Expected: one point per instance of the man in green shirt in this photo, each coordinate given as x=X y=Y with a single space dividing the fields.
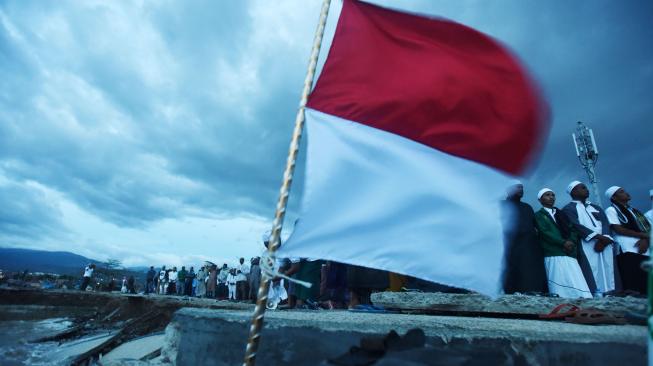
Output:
x=181 y=280
x=560 y=242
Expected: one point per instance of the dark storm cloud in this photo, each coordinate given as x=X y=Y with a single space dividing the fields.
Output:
x=134 y=145
x=26 y=214
x=594 y=64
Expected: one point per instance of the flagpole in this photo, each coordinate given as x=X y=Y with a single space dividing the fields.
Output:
x=262 y=297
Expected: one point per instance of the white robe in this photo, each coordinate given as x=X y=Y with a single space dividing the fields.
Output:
x=565 y=277
x=627 y=243
x=602 y=264
x=276 y=294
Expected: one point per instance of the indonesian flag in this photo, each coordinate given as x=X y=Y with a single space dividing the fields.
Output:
x=414 y=130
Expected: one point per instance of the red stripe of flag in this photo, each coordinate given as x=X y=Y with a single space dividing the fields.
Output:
x=434 y=81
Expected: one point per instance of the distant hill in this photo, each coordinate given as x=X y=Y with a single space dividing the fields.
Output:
x=16 y=259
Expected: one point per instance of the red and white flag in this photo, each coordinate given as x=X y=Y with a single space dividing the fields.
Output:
x=414 y=130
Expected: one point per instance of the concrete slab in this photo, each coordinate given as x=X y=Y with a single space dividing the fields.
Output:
x=514 y=304
x=217 y=337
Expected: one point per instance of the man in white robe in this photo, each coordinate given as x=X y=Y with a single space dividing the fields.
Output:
x=598 y=246
x=632 y=231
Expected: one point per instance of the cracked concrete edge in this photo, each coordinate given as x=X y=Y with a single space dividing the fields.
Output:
x=434 y=326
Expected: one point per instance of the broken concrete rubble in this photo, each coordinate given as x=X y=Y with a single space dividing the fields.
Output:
x=507 y=304
x=217 y=337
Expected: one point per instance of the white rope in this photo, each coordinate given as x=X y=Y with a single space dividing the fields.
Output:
x=270 y=270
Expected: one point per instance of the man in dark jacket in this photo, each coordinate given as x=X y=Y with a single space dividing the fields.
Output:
x=149 y=280
x=524 y=260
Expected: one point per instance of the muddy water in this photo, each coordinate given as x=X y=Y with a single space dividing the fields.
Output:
x=22 y=324
x=15 y=337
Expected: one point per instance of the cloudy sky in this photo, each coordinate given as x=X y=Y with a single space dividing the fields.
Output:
x=156 y=132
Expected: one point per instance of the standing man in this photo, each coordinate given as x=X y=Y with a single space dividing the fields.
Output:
x=597 y=244
x=181 y=280
x=172 y=281
x=221 y=291
x=201 y=281
x=163 y=274
x=149 y=280
x=242 y=272
x=560 y=242
x=633 y=232
x=188 y=287
x=524 y=258
x=254 y=279
x=88 y=273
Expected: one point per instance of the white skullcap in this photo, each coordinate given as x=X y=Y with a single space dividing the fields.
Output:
x=542 y=192
x=610 y=192
x=572 y=185
x=511 y=186
x=514 y=182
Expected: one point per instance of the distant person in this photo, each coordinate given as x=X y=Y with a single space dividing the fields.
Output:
x=149 y=280
x=362 y=282
x=202 y=274
x=88 y=273
x=596 y=243
x=560 y=241
x=632 y=231
x=524 y=257
x=131 y=285
x=211 y=281
x=649 y=213
x=222 y=292
x=123 y=288
x=172 y=281
x=242 y=272
x=232 y=280
x=181 y=280
x=336 y=285
x=163 y=275
x=188 y=283
x=254 y=279
x=310 y=271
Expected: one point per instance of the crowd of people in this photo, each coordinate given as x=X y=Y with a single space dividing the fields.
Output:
x=579 y=251
x=238 y=283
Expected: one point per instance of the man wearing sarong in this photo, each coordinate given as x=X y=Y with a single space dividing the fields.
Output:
x=596 y=243
x=242 y=273
x=254 y=279
x=201 y=281
x=221 y=290
x=560 y=242
x=632 y=231
x=524 y=259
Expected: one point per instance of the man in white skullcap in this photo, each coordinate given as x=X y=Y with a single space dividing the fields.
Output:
x=632 y=231
x=559 y=240
x=597 y=244
x=523 y=257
